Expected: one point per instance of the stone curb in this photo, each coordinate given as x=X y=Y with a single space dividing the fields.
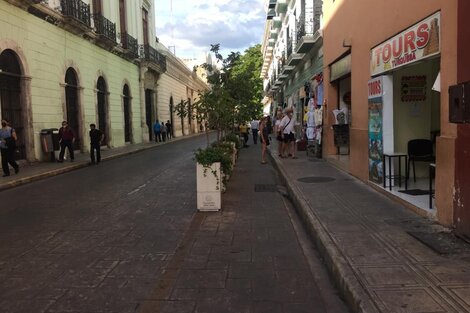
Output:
x=345 y=279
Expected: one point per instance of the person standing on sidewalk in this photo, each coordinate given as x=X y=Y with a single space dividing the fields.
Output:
x=157 y=130
x=169 y=133
x=66 y=139
x=96 y=138
x=7 y=148
x=264 y=138
x=288 y=133
x=254 y=130
x=163 y=130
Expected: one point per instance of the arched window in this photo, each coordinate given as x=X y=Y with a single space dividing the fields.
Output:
x=72 y=105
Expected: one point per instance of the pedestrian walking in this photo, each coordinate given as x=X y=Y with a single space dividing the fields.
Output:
x=96 y=138
x=264 y=138
x=169 y=131
x=66 y=140
x=8 y=140
x=244 y=132
x=254 y=130
x=163 y=130
x=157 y=130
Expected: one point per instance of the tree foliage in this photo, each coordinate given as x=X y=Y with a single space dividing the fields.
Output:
x=236 y=89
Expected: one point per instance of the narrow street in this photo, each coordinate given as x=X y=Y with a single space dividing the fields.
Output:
x=125 y=236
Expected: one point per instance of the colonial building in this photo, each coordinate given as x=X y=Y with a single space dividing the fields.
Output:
x=292 y=52
x=391 y=72
x=179 y=84
x=394 y=89
x=88 y=61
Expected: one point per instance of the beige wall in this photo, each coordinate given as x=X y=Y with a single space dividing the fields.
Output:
x=363 y=32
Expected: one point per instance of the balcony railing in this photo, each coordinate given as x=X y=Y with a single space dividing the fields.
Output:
x=104 y=27
x=76 y=9
x=308 y=24
x=290 y=46
x=149 y=53
x=130 y=44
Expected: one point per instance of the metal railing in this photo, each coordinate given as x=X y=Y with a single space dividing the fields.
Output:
x=130 y=43
x=290 y=46
x=104 y=27
x=308 y=24
x=149 y=53
x=76 y=9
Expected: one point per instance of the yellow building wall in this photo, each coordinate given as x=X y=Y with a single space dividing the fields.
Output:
x=46 y=52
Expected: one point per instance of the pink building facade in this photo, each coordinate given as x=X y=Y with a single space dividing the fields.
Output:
x=388 y=66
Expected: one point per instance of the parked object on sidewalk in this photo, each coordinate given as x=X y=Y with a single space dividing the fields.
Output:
x=214 y=167
x=50 y=142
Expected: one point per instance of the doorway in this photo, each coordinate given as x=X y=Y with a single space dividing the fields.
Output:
x=102 y=111
x=171 y=118
x=10 y=97
x=148 y=111
x=127 y=113
x=72 y=106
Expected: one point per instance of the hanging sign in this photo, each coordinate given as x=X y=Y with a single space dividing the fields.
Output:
x=418 y=42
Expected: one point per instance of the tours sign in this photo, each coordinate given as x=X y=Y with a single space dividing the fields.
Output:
x=418 y=42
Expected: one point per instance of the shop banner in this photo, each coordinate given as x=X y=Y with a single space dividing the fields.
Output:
x=380 y=91
x=375 y=131
x=418 y=42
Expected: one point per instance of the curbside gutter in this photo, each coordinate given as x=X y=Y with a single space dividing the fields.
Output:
x=344 y=277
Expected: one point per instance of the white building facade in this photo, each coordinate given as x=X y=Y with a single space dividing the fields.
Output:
x=292 y=53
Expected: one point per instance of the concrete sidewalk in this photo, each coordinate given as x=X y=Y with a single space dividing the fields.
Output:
x=383 y=257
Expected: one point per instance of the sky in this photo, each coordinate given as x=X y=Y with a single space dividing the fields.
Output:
x=196 y=24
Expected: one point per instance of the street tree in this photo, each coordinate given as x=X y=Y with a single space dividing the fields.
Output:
x=236 y=90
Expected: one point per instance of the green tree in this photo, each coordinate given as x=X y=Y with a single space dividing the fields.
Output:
x=236 y=90
x=181 y=110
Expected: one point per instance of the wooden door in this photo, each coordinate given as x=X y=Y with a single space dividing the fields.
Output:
x=127 y=114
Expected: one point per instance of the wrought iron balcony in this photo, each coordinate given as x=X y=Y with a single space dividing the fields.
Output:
x=77 y=10
x=149 y=53
x=307 y=28
x=104 y=27
x=130 y=44
x=293 y=58
x=290 y=44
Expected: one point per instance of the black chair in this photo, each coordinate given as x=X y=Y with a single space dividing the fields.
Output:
x=419 y=150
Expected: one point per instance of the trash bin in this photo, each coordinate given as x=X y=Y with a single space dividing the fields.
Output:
x=50 y=141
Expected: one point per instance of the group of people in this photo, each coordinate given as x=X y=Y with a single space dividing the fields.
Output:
x=66 y=137
x=162 y=131
x=67 y=140
x=284 y=130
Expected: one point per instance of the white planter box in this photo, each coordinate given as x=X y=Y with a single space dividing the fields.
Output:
x=209 y=187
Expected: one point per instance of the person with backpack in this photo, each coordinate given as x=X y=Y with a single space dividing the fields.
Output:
x=8 y=147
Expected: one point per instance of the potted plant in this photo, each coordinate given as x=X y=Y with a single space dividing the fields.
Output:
x=212 y=164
